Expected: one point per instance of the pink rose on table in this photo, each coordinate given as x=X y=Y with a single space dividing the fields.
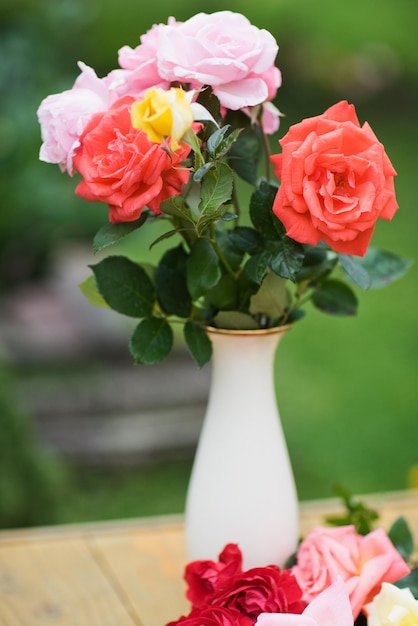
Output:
x=213 y=616
x=223 y=50
x=122 y=168
x=251 y=592
x=336 y=181
x=63 y=117
x=363 y=563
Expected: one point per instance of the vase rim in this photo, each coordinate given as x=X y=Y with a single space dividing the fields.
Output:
x=248 y=332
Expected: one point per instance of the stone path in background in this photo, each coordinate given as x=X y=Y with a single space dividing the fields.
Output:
x=76 y=379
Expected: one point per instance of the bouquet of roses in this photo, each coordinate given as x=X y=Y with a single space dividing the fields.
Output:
x=170 y=135
x=341 y=574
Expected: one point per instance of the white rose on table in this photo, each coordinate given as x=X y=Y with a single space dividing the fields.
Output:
x=393 y=607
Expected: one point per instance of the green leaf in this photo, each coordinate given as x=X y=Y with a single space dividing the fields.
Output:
x=336 y=298
x=355 y=271
x=89 y=288
x=125 y=286
x=176 y=207
x=245 y=153
x=198 y=343
x=246 y=240
x=288 y=258
x=257 y=266
x=235 y=320
x=216 y=188
x=203 y=269
x=221 y=141
x=409 y=582
x=272 y=298
x=202 y=171
x=261 y=213
x=316 y=264
x=401 y=537
x=230 y=252
x=170 y=283
x=151 y=341
x=224 y=294
x=207 y=99
x=359 y=514
x=383 y=267
x=110 y=234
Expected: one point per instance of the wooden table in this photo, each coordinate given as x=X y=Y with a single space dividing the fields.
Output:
x=122 y=573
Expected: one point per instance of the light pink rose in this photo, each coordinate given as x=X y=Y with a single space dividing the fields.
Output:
x=363 y=562
x=64 y=116
x=223 y=50
x=139 y=65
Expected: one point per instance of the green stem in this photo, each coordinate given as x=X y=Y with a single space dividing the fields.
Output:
x=267 y=152
x=220 y=254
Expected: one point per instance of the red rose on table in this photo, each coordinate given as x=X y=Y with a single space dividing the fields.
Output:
x=205 y=578
x=122 y=168
x=336 y=181
x=257 y=590
x=213 y=616
x=263 y=590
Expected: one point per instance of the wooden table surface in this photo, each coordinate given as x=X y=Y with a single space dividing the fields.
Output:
x=123 y=573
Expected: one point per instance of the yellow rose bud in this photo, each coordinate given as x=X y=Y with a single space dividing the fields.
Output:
x=163 y=114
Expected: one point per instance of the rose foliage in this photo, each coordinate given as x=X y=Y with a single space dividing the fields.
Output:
x=177 y=133
x=338 y=577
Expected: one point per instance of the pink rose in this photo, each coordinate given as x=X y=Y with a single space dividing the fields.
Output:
x=64 y=116
x=336 y=181
x=139 y=65
x=122 y=168
x=222 y=50
x=363 y=563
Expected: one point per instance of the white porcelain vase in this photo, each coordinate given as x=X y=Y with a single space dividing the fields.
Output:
x=242 y=488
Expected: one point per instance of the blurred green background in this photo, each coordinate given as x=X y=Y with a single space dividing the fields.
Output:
x=347 y=389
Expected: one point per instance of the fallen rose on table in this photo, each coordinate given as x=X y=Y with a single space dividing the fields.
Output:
x=338 y=577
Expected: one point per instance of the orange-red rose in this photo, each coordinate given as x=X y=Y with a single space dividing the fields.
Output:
x=336 y=181
x=122 y=168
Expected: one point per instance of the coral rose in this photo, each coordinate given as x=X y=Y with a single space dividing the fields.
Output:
x=121 y=167
x=363 y=563
x=223 y=50
x=336 y=181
